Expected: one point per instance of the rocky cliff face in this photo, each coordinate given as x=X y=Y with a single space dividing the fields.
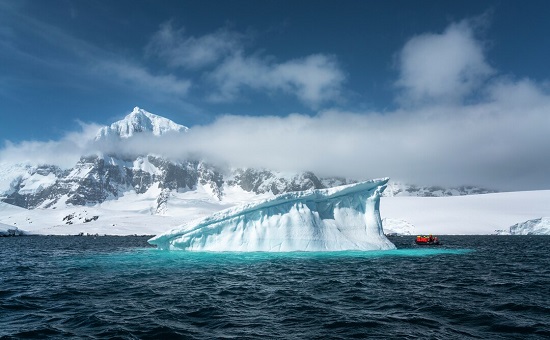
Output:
x=96 y=179
x=263 y=181
x=402 y=189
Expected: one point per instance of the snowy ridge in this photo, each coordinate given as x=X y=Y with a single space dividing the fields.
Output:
x=9 y=172
x=139 y=121
x=262 y=181
x=342 y=218
x=403 y=189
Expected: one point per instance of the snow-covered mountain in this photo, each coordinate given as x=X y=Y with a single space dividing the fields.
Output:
x=96 y=179
x=99 y=178
x=139 y=121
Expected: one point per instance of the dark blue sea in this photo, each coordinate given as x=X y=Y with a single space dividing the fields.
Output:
x=472 y=287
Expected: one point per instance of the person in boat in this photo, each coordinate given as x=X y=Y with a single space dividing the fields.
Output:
x=431 y=238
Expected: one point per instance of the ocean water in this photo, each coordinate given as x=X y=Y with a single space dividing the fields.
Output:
x=485 y=287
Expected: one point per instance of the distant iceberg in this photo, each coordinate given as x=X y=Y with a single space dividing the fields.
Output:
x=539 y=226
x=7 y=230
x=341 y=218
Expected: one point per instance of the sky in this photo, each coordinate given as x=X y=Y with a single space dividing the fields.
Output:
x=428 y=92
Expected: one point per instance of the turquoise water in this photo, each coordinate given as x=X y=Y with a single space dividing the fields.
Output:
x=119 y=287
x=148 y=254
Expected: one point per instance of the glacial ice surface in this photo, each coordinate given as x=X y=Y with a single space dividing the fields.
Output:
x=341 y=218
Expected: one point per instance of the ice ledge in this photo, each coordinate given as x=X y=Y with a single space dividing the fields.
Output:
x=341 y=218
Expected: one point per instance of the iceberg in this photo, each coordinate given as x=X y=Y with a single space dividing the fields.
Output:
x=538 y=226
x=7 y=230
x=334 y=219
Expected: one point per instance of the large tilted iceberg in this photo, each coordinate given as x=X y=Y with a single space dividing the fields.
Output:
x=341 y=218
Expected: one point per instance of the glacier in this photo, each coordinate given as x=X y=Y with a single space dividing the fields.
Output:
x=334 y=219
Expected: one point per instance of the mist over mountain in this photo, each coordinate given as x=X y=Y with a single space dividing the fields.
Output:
x=120 y=168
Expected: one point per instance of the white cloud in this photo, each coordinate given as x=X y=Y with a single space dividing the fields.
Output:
x=64 y=152
x=486 y=144
x=315 y=79
x=192 y=52
x=139 y=78
x=443 y=67
x=517 y=94
x=229 y=70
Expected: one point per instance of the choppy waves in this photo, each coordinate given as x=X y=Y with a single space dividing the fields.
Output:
x=115 y=287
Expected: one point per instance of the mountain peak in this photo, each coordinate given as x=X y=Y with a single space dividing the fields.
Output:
x=139 y=121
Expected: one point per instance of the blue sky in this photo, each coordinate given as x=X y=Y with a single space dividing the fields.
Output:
x=67 y=65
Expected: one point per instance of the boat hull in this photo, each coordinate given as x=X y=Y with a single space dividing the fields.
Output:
x=428 y=243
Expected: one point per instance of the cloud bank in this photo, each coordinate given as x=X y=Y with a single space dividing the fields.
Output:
x=132 y=74
x=315 y=79
x=64 y=152
x=443 y=67
x=229 y=70
x=180 y=50
x=440 y=135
